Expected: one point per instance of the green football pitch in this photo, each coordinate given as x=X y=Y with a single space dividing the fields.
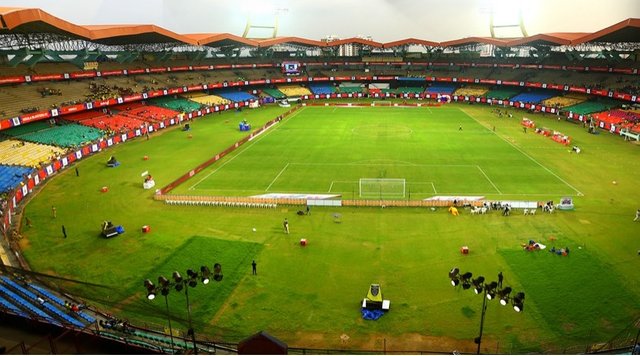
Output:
x=310 y=296
x=436 y=151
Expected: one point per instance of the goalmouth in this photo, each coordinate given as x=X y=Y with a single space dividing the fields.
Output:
x=382 y=188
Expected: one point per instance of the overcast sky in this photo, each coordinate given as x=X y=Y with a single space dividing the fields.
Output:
x=383 y=20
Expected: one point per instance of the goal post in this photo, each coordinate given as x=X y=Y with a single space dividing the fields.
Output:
x=382 y=188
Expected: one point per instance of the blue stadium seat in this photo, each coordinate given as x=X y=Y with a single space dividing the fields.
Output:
x=32 y=308
x=10 y=306
x=235 y=95
x=322 y=88
x=10 y=176
x=441 y=89
x=533 y=97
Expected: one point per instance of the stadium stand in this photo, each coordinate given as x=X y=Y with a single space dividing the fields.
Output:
x=176 y=104
x=26 y=129
x=274 y=93
x=114 y=123
x=210 y=100
x=293 y=90
x=589 y=107
x=565 y=100
x=441 y=89
x=54 y=298
x=148 y=113
x=10 y=176
x=322 y=88
x=69 y=135
x=409 y=90
x=14 y=152
x=502 y=93
x=471 y=90
x=12 y=308
x=533 y=96
x=14 y=297
x=235 y=95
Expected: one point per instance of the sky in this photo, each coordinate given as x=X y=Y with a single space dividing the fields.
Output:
x=383 y=20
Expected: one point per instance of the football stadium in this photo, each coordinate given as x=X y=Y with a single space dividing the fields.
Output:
x=177 y=192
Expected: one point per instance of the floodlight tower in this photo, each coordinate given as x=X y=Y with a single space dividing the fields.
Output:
x=506 y=15
x=249 y=26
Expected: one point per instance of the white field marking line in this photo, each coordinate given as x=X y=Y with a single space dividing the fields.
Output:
x=276 y=178
x=340 y=181
x=381 y=164
x=245 y=148
x=526 y=155
x=489 y=179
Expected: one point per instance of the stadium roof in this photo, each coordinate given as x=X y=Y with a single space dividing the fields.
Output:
x=32 y=21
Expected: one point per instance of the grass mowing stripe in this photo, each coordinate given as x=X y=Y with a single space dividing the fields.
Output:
x=526 y=155
x=246 y=148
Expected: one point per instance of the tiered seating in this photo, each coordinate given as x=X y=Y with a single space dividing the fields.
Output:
x=235 y=95
x=275 y=93
x=10 y=176
x=33 y=298
x=409 y=90
x=64 y=136
x=210 y=100
x=176 y=104
x=532 y=97
x=441 y=89
x=115 y=123
x=14 y=309
x=471 y=90
x=14 y=297
x=589 y=107
x=502 y=93
x=322 y=88
x=13 y=152
x=566 y=100
x=294 y=90
x=149 y=113
x=26 y=129
x=84 y=115
x=54 y=298
x=350 y=89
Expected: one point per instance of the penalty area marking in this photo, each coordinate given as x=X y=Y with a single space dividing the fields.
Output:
x=278 y=176
x=245 y=148
x=527 y=155
x=490 y=181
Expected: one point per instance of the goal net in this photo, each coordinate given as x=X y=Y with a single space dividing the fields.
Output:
x=382 y=188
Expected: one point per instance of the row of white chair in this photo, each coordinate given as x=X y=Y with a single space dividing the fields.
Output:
x=222 y=203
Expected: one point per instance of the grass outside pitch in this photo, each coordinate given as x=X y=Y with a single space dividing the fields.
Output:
x=310 y=296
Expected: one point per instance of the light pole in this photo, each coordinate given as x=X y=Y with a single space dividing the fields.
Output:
x=180 y=283
x=489 y=291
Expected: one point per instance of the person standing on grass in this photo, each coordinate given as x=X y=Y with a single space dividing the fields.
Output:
x=64 y=232
x=54 y=213
x=637 y=215
x=253 y=267
x=500 y=277
x=285 y=224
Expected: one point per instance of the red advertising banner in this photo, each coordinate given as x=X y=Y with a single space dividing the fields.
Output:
x=40 y=115
x=5 y=124
x=38 y=78
x=130 y=98
x=200 y=67
x=107 y=73
x=533 y=85
x=101 y=103
x=222 y=66
x=153 y=94
x=71 y=109
x=11 y=80
x=194 y=88
x=488 y=81
x=254 y=82
x=179 y=69
x=157 y=70
x=136 y=71
x=175 y=91
x=83 y=74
